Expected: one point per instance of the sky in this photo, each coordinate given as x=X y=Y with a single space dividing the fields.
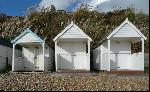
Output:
x=19 y=7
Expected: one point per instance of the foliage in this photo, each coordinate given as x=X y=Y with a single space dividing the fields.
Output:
x=146 y=70
x=8 y=68
x=47 y=23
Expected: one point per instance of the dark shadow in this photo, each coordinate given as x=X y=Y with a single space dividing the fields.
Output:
x=93 y=57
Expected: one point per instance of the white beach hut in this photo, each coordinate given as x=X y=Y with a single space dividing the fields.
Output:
x=72 y=49
x=114 y=53
x=36 y=54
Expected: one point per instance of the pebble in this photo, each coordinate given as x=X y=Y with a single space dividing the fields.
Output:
x=44 y=82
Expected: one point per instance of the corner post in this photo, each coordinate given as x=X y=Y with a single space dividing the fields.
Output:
x=13 y=58
x=108 y=54
x=101 y=53
x=43 y=45
x=142 y=52
x=56 y=55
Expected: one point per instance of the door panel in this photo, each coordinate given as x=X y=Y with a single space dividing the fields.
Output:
x=78 y=61
x=66 y=61
x=72 y=55
x=28 y=59
x=120 y=54
x=36 y=58
x=123 y=61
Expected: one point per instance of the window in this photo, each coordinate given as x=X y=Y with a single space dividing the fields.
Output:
x=136 y=47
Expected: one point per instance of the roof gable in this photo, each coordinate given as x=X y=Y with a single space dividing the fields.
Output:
x=127 y=29
x=27 y=36
x=72 y=31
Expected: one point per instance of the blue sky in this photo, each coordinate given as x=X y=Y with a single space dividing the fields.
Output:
x=19 y=7
x=16 y=7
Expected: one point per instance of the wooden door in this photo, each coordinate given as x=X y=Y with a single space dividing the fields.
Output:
x=123 y=60
x=66 y=61
x=78 y=61
x=36 y=58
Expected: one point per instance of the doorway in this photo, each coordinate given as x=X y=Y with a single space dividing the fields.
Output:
x=36 y=58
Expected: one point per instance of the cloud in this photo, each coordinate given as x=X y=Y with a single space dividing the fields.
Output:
x=64 y=4
x=59 y=4
x=139 y=5
x=99 y=5
x=95 y=3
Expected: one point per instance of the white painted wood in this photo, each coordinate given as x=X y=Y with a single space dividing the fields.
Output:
x=28 y=38
x=71 y=49
x=123 y=61
x=77 y=63
x=28 y=55
x=120 y=46
x=126 y=31
x=3 y=51
x=2 y=62
x=108 y=55
x=113 y=61
x=121 y=56
x=6 y=54
x=120 y=49
x=56 y=56
x=142 y=61
x=104 y=62
x=66 y=61
x=43 y=46
x=136 y=62
x=100 y=60
x=36 y=58
x=72 y=55
x=128 y=26
x=19 y=60
x=34 y=55
x=13 y=57
x=72 y=31
x=116 y=53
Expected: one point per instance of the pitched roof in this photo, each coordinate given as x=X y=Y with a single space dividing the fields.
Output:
x=24 y=33
x=118 y=28
x=67 y=28
x=129 y=23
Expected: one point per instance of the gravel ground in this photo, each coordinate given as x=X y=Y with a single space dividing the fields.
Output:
x=71 y=82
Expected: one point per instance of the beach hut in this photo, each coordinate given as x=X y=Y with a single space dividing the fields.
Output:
x=36 y=54
x=72 y=49
x=117 y=53
x=6 y=53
